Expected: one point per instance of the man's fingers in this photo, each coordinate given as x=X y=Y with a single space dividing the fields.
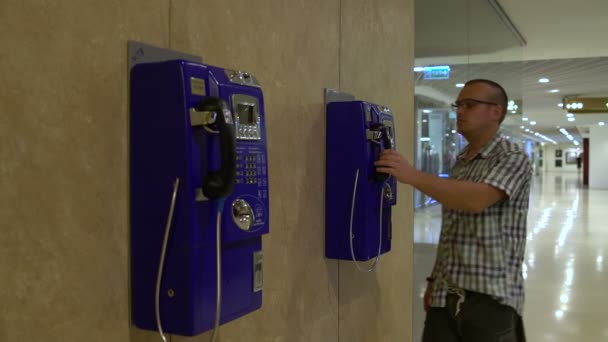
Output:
x=393 y=157
x=385 y=163
x=384 y=170
x=390 y=152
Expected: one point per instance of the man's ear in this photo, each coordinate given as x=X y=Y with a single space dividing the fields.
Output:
x=497 y=112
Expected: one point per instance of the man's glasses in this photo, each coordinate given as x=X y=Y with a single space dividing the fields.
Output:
x=470 y=103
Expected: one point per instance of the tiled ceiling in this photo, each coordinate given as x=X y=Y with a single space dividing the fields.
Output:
x=445 y=38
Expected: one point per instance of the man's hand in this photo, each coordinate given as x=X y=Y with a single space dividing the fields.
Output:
x=427 y=296
x=396 y=165
x=472 y=197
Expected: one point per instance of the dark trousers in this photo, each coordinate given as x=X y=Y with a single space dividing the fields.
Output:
x=480 y=319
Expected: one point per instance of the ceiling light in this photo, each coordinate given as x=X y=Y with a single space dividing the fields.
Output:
x=524 y=119
x=522 y=127
x=569 y=115
x=459 y=85
x=543 y=80
x=601 y=123
x=426 y=111
x=532 y=123
x=571 y=119
x=453 y=131
x=576 y=143
x=418 y=69
x=425 y=139
x=527 y=130
x=554 y=91
x=561 y=105
x=513 y=111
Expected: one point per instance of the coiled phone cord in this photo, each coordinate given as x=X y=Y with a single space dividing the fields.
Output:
x=159 y=275
x=352 y=212
x=218 y=241
x=162 y=262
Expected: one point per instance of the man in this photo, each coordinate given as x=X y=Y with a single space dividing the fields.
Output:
x=475 y=292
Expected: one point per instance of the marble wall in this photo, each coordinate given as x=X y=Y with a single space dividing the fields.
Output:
x=64 y=250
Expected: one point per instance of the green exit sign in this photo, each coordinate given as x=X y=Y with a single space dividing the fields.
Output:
x=437 y=73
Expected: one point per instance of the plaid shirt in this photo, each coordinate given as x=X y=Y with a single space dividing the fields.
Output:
x=484 y=252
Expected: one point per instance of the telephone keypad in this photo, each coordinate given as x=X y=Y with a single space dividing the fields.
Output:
x=249 y=167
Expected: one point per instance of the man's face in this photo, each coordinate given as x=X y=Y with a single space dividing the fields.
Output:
x=476 y=110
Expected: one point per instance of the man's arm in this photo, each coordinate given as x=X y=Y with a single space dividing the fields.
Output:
x=455 y=194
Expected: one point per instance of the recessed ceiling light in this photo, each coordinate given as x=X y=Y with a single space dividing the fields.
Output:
x=543 y=80
x=554 y=91
x=524 y=119
x=522 y=127
x=571 y=119
x=453 y=131
x=459 y=85
x=513 y=111
x=560 y=105
x=569 y=115
x=601 y=123
x=426 y=111
x=532 y=123
x=418 y=69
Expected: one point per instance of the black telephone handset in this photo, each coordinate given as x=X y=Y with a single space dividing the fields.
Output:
x=220 y=183
x=386 y=142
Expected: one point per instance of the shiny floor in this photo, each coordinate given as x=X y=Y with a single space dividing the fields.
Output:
x=566 y=259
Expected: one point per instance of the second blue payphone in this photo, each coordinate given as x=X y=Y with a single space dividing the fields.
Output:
x=358 y=199
x=199 y=195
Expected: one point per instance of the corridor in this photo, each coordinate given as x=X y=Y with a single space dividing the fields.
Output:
x=564 y=267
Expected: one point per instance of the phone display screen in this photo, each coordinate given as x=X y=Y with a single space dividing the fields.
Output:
x=246 y=114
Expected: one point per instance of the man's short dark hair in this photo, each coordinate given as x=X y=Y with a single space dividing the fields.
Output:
x=500 y=96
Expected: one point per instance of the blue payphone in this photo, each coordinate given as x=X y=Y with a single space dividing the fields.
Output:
x=358 y=199
x=197 y=145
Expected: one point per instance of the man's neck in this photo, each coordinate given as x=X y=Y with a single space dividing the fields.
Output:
x=477 y=142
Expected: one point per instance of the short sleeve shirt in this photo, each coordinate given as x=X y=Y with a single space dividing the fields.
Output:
x=484 y=252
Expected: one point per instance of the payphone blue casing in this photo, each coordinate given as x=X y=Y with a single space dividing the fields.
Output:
x=164 y=145
x=348 y=148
